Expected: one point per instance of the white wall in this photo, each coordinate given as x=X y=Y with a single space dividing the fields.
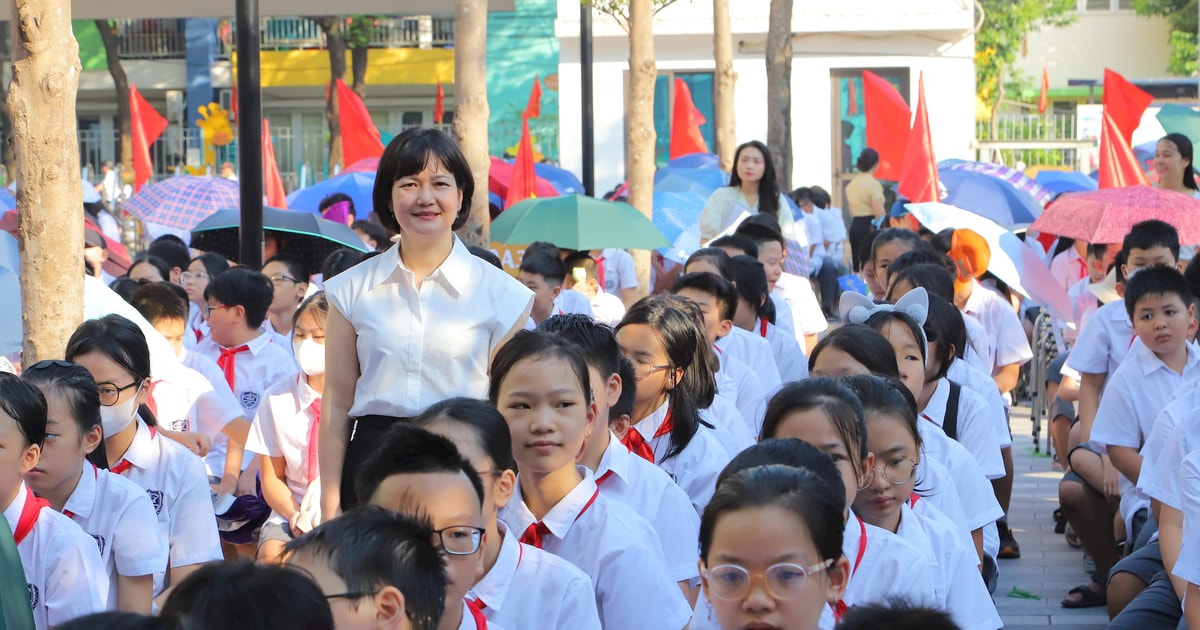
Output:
x=1137 y=47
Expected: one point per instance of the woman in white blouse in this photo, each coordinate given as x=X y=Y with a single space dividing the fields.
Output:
x=753 y=187
x=416 y=324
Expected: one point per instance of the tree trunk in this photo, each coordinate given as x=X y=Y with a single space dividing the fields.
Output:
x=471 y=110
x=112 y=52
x=779 y=90
x=358 y=69
x=41 y=101
x=336 y=44
x=639 y=122
x=725 y=124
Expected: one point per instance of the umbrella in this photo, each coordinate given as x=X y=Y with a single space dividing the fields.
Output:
x=7 y=200
x=1012 y=176
x=358 y=184
x=564 y=181
x=500 y=175
x=10 y=292
x=1012 y=261
x=988 y=197
x=577 y=222
x=1107 y=215
x=365 y=165
x=700 y=180
x=674 y=212
x=183 y=201
x=1179 y=119
x=304 y=234
x=1059 y=182
x=118 y=257
x=695 y=160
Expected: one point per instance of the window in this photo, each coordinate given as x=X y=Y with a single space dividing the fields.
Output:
x=700 y=84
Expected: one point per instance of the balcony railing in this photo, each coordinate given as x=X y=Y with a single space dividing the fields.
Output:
x=151 y=39
x=297 y=33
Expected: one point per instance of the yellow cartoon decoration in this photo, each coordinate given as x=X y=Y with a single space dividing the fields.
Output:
x=215 y=129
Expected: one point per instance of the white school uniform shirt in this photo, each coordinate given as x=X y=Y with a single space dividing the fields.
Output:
x=283 y=339
x=475 y=619
x=806 y=310
x=888 y=566
x=532 y=588
x=975 y=426
x=614 y=546
x=174 y=479
x=755 y=352
x=184 y=400
x=571 y=301
x=784 y=317
x=696 y=467
x=1104 y=342
x=264 y=364
x=980 y=349
x=650 y=492
x=1165 y=449
x=787 y=350
x=1184 y=438
x=206 y=367
x=971 y=377
x=119 y=517
x=1187 y=566
x=937 y=489
x=281 y=430
x=958 y=585
x=197 y=329
x=816 y=239
x=607 y=309
x=1068 y=268
x=737 y=381
x=1002 y=324
x=63 y=571
x=418 y=346
x=619 y=272
x=974 y=490
x=731 y=429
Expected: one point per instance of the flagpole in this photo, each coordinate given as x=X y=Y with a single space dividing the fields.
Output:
x=249 y=121
x=585 y=64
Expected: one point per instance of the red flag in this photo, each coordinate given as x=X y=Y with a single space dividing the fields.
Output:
x=1118 y=165
x=685 y=123
x=233 y=104
x=534 y=108
x=919 y=178
x=887 y=124
x=272 y=182
x=1044 y=97
x=524 y=180
x=439 y=105
x=147 y=125
x=1125 y=102
x=360 y=137
x=852 y=97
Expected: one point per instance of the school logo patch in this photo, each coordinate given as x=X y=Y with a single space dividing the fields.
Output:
x=179 y=425
x=99 y=542
x=35 y=597
x=249 y=400
x=156 y=497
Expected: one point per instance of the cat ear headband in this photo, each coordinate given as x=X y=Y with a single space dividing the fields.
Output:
x=856 y=308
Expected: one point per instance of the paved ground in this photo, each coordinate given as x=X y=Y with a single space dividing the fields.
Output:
x=1048 y=567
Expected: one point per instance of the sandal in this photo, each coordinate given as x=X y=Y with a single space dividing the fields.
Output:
x=1060 y=522
x=1088 y=598
x=1072 y=537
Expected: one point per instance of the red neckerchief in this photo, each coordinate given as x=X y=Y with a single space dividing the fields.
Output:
x=762 y=327
x=840 y=608
x=534 y=535
x=638 y=445
x=96 y=474
x=912 y=499
x=310 y=466
x=227 y=363
x=125 y=464
x=476 y=609
x=600 y=270
x=29 y=515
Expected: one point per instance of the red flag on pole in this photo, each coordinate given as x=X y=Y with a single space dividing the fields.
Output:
x=887 y=124
x=685 y=123
x=439 y=105
x=148 y=125
x=534 y=108
x=919 y=177
x=1125 y=102
x=1118 y=165
x=1044 y=97
x=360 y=136
x=272 y=181
x=524 y=179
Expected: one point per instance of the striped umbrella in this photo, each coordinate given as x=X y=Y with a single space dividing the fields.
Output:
x=1012 y=176
x=183 y=201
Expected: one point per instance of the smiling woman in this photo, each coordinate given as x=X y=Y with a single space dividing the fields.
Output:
x=416 y=324
x=752 y=188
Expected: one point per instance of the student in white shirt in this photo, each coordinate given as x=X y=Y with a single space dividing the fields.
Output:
x=543 y=273
x=793 y=295
x=290 y=278
x=114 y=350
x=541 y=386
x=1069 y=265
x=72 y=474
x=63 y=571
x=521 y=586
x=662 y=337
x=617 y=274
x=582 y=277
x=1188 y=566
x=753 y=315
x=200 y=271
x=377 y=569
x=396 y=345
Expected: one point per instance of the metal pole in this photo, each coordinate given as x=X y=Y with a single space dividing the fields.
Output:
x=250 y=170
x=589 y=118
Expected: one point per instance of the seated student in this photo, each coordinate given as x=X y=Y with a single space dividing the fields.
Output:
x=247 y=595
x=582 y=276
x=674 y=382
x=567 y=300
x=72 y=474
x=1100 y=257
x=290 y=277
x=1187 y=568
x=284 y=435
x=825 y=262
x=617 y=275
x=200 y=271
x=65 y=576
x=377 y=569
x=792 y=295
x=540 y=384
x=1069 y=265
x=753 y=315
x=173 y=251
x=412 y=471
x=621 y=476
x=521 y=586
x=542 y=273
x=897 y=614
x=888 y=245
x=114 y=351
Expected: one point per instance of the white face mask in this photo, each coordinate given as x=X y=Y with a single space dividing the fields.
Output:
x=311 y=357
x=117 y=418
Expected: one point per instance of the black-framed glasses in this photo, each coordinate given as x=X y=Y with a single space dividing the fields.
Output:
x=783 y=581
x=897 y=471
x=280 y=279
x=460 y=540
x=109 y=392
x=209 y=309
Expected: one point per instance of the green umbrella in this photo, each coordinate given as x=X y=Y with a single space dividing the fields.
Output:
x=15 y=613
x=577 y=222
x=1179 y=119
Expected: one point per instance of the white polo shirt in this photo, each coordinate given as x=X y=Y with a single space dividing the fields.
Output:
x=616 y=548
x=118 y=515
x=1188 y=564
x=174 y=479
x=420 y=345
x=696 y=467
x=888 y=566
x=976 y=429
x=971 y=377
x=975 y=492
x=650 y=492
x=1160 y=459
x=980 y=349
x=755 y=353
x=737 y=381
x=1104 y=342
x=731 y=429
x=264 y=364
x=184 y=400
x=62 y=567
x=572 y=301
x=281 y=429
x=1164 y=482
x=806 y=310
x=619 y=272
x=787 y=350
x=1002 y=324
x=532 y=588
x=958 y=585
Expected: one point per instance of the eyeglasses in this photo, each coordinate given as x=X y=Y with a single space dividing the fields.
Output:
x=209 y=309
x=900 y=470
x=109 y=392
x=279 y=279
x=643 y=368
x=461 y=540
x=41 y=365
x=783 y=581
x=193 y=275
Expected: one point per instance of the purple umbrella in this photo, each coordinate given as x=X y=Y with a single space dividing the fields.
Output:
x=1011 y=176
x=183 y=201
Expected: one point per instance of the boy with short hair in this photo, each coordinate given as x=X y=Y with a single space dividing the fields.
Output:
x=290 y=277
x=796 y=306
x=583 y=276
x=377 y=568
x=544 y=275
x=567 y=300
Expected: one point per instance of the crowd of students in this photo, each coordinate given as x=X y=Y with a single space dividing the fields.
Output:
x=419 y=440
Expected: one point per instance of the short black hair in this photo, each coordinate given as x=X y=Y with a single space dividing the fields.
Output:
x=760 y=234
x=718 y=257
x=340 y=260
x=410 y=153
x=922 y=256
x=549 y=267
x=374 y=231
x=820 y=197
x=126 y=287
x=159 y=264
x=945 y=327
x=296 y=267
x=711 y=284
x=172 y=251
x=409 y=450
x=370 y=547
x=485 y=254
x=243 y=287
x=864 y=344
x=333 y=198
x=26 y=405
x=934 y=278
x=750 y=281
x=246 y=594
x=1156 y=280
x=160 y=300
x=624 y=406
x=1150 y=234
x=484 y=420
x=801 y=195
x=897 y=614
x=115 y=620
x=596 y=341
x=736 y=241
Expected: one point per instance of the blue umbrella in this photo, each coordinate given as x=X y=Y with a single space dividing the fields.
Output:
x=10 y=288
x=1059 y=182
x=702 y=181
x=359 y=185
x=695 y=160
x=564 y=181
x=674 y=212
x=988 y=197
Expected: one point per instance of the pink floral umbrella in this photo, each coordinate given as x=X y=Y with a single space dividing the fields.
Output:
x=1107 y=215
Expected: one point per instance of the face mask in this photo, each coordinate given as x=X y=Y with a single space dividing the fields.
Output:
x=311 y=357
x=117 y=418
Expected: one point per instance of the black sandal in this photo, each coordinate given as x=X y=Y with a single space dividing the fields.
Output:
x=1060 y=522
x=1087 y=598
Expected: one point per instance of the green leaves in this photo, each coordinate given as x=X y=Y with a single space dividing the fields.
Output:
x=1181 y=16
x=1006 y=24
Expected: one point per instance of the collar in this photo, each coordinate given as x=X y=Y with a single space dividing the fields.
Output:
x=649 y=425
x=13 y=512
x=1151 y=363
x=83 y=499
x=563 y=515
x=141 y=450
x=455 y=273
x=1117 y=313
x=936 y=407
x=492 y=588
x=616 y=458
x=305 y=394
x=977 y=301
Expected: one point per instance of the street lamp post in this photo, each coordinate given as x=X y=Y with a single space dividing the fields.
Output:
x=249 y=121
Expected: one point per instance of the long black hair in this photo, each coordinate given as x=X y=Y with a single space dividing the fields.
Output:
x=768 y=186
x=78 y=389
x=864 y=344
x=1184 y=145
x=834 y=399
x=122 y=342
x=484 y=421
